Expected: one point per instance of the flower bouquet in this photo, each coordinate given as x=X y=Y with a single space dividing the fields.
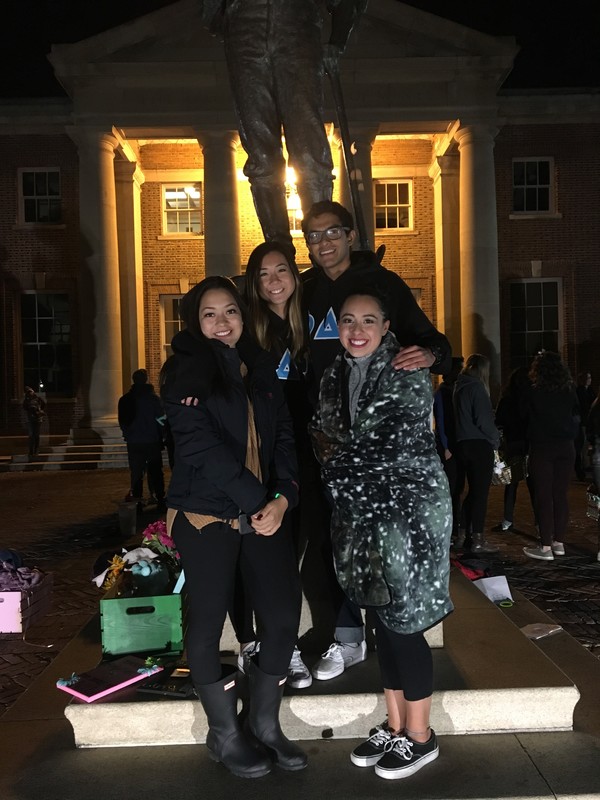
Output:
x=150 y=569
x=155 y=537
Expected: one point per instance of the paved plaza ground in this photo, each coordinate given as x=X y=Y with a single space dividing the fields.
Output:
x=63 y=521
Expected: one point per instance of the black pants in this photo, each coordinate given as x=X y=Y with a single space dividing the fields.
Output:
x=146 y=457
x=551 y=465
x=405 y=662
x=268 y=566
x=477 y=457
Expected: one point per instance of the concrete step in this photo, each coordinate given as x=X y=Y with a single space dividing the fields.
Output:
x=71 y=457
x=489 y=678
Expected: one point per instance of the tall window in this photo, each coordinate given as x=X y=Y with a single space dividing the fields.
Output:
x=40 y=196
x=46 y=339
x=182 y=209
x=170 y=322
x=393 y=204
x=533 y=191
x=535 y=319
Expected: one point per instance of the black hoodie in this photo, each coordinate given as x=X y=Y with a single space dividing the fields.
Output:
x=323 y=299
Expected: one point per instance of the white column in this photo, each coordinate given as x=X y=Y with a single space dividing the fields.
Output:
x=129 y=181
x=221 y=213
x=444 y=173
x=479 y=285
x=101 y=381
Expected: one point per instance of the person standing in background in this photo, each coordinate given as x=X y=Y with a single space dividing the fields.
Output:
x=514 y=442
x=139 y=412
x=477 y=438
x=445 y=438
x=552 y=413
x=585 y=397
x=35 y=411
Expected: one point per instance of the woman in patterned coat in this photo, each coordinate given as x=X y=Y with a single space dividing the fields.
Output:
x=391 y=522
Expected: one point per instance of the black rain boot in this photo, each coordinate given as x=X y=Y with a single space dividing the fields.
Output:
x=479 y=545
x=266 y=692
x=225 y=740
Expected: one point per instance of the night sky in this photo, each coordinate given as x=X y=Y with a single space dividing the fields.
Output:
x=560 y=46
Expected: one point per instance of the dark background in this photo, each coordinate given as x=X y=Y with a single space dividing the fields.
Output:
x=560 y=43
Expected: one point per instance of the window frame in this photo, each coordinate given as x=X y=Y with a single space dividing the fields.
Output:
x=163 y=299
x=552 y=212
x=198 y=185
x=23 y=198
x=515 y=361
x=388 y=180
x=37 y=293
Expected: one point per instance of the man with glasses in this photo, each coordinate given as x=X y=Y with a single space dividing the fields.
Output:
x=329 y=233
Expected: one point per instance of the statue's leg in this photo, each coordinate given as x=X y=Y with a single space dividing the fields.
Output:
x=260 y=134
x=299 y=88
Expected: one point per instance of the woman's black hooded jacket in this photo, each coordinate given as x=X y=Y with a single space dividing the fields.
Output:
x=209 y=474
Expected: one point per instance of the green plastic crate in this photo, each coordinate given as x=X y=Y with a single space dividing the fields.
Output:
x=142 y=624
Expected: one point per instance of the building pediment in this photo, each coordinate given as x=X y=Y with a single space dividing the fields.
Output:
x=165 y=67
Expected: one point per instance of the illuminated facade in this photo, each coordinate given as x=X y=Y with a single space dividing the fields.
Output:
x=117 y=199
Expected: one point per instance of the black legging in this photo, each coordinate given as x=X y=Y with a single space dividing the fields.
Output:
x=268 y=565
x=551 y=464
x=405 y=662
x=477 y=456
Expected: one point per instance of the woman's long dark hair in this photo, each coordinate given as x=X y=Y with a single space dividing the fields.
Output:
x=259 y=309
x=548 y=372
x=212 y=377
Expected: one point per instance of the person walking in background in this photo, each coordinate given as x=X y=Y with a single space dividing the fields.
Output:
x=552 y=414
x=391 y=521
x=35 y=411
x=445 y=438
x=513 y=429
x=233 y=482
x=585 y=398
x=139 y=413
x=477 y=438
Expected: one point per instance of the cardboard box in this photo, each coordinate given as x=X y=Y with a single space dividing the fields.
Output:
x=142 y=624
x=19 y=610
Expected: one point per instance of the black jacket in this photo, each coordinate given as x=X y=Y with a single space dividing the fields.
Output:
x=139 y=410
x=209 y=474
x=323 y=299
x=551 y=415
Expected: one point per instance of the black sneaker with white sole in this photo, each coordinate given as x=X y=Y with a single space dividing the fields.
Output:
x=368 y=753
x=404 y=757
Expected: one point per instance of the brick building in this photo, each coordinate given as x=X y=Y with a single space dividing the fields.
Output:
x=129 y=190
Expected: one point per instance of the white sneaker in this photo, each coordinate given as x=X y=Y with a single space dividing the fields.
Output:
x=558 y=548
x=339 y=657
x=298 y=676
x=246 y=653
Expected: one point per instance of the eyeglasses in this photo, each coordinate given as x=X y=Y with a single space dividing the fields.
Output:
x=314 y=237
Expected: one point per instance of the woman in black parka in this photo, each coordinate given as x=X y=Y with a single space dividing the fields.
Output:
x=234 y=478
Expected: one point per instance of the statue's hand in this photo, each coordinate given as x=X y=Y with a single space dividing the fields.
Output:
x=331 y=58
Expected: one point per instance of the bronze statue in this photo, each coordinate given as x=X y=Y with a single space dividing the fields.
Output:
x=276 y=58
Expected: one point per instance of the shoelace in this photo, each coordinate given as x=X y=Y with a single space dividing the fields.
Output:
x=381 y=737
x=401 y=746
x=296 y=662
x=333 y=651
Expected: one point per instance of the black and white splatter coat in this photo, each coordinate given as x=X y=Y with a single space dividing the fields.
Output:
x=392 y=519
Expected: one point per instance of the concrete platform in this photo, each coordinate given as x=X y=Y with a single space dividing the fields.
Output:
x=489 y=678
x=40 y=760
